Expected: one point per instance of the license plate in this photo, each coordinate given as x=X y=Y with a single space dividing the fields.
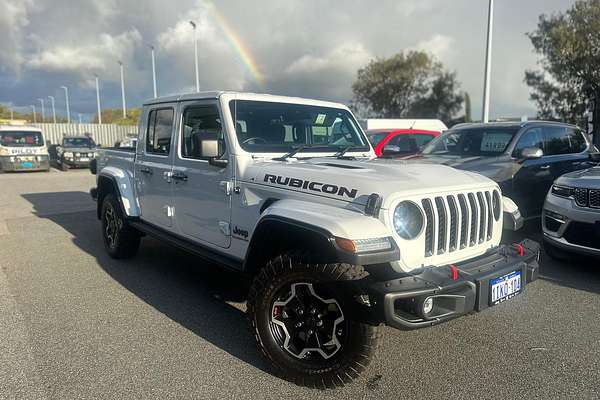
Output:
x=84 y=159
x=26 y=164
x=505 y=287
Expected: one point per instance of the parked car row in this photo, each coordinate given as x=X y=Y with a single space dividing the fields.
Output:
x=526 y=159
x=24 y=148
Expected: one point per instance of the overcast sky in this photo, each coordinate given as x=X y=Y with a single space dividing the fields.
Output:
x=304 y=48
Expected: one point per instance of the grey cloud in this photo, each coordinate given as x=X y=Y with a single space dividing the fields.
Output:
x=302 y=47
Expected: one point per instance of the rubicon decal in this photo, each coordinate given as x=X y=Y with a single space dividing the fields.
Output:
x=311 y=185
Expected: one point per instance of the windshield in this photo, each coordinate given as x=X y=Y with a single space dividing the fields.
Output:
x=375 y=138
x=78 y=142
x=21 y=139
x=483 y=142
x=282 y=127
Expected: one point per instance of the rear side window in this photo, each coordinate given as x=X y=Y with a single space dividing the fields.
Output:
x=160 y=129
x=578 y=143
x=562 y=140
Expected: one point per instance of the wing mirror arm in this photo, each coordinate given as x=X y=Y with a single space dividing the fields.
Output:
x=218 y=162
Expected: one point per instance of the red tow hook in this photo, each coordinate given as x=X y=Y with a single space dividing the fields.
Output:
x=519 y=248
x=454 y=271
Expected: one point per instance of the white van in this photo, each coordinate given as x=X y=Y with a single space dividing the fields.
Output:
x=23 y=148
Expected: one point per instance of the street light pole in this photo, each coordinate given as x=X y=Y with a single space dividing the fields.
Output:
x=196 y=56
x=53 y=108
x=153 y=72
x=43 y=110
x=34 y=115
x=123 y=90
x=66 y=89
x=98 y=101
x=488 y=65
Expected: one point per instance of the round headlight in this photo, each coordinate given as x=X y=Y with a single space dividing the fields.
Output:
x=408 y=220
x=496 y=205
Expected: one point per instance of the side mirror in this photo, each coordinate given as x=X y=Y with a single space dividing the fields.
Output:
x=391 y=150
x=531 y=153
x=209 y=148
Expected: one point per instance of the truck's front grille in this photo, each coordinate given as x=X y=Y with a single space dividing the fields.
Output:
x=458 y=221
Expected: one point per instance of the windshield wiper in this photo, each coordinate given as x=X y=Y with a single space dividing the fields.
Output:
x=291 y=153
x=340 y=154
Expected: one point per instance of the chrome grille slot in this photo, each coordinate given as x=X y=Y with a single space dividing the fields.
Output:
x=594 y=198
x=464 y=219
x=490 y=215
x=453 y=222
x=482 y=217
x=428 y=227
x=473 y=220
x=441 y=228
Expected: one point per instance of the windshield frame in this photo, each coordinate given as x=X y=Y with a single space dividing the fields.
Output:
x=515 y=131
x=308 y=150
x=22 y=132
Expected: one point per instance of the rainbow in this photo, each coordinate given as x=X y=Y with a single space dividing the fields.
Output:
x=242 y=51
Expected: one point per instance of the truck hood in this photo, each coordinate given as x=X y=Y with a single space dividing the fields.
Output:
x=587 y=178
x=496 y=168
x=355 y=180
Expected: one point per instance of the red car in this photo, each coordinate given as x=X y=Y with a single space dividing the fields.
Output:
x=400 y=142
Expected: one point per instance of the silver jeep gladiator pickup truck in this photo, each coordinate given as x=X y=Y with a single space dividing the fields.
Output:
x=336 y=241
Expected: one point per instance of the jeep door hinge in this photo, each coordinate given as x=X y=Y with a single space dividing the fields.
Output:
x=226 y=187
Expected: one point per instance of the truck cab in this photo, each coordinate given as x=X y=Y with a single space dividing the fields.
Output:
x=23 y=148
x=334 y=240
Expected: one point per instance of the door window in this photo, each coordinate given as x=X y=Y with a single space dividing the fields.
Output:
x=563 y=140
x=532 y=138
x=200 y=123
x=160 y=129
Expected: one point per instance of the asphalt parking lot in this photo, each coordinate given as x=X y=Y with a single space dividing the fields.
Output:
x=76 y=324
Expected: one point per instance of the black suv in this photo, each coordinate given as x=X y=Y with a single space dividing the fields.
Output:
x=75 y=152
x=523 y=157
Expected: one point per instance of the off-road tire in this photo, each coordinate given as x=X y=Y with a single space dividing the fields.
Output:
x=64 y=166
x=120 y=239
x=358 y=346
x=555 y=253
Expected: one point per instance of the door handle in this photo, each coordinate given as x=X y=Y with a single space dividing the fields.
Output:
x=146 y=170
x=545 y=166
x=179 y=176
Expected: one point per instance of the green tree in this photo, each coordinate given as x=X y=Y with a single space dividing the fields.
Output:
x=568 y=83
x=407 y=85
x=115 y=116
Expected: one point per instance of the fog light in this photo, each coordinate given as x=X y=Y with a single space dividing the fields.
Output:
x=427 y=305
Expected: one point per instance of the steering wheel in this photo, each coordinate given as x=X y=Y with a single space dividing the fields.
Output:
x=254 y=138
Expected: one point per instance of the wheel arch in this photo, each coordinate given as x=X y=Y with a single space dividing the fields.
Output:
x=115 y=181
x=276 y=235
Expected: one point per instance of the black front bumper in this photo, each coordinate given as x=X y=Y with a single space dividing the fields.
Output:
x=456 y=289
